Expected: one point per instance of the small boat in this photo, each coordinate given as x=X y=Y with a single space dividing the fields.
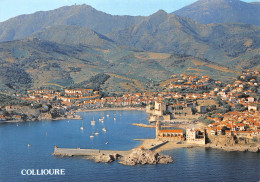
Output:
x=104 y=129
x=93 y=122
x=91 y=136
x=97 y=133
x=114 y=119
x=82 y=128
x=108 y=115
x=101 y=120
x=106 y=143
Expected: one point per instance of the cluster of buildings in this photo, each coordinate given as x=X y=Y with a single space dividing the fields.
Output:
x=188 y=81
x=68 y=96
x=241 y=120
x=241 y=124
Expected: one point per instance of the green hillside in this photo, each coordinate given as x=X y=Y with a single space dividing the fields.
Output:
x=37 y=63
x=78 y=46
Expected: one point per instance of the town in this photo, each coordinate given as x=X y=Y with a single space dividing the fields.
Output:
x=204 y=110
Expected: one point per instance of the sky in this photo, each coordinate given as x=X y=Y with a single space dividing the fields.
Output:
x=12 y=8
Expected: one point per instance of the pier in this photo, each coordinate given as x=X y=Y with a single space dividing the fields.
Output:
x=143 y=125
x=85 y=152
x=94 y=152
x=158 y=145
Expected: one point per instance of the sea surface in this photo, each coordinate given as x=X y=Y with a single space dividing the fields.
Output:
x=190 y=164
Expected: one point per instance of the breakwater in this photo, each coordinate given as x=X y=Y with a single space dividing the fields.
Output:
x=143 y=125
x=85 y=152
x=94 y=152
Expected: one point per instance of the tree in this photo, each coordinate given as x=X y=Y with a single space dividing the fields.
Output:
x=6 y=114
x=204 y=119
x=254 y=139
x=213 y=107
x=240 y=107
x=247 y=127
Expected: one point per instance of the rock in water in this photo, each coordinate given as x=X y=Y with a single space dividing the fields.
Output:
x=106 y=158
x=144 y=156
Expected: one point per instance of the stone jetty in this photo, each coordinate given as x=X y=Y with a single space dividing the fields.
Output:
x=143 y=125
x=131 y=157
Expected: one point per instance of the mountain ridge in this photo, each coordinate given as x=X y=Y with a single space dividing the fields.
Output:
x=222 y=11
x=83 y=15
x=171 y=33
x=71 y=45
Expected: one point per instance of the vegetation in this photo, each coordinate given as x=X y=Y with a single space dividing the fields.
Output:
x=94 y=82
x=240 y=107
x=9 y=100
x=206 y=121
x=15 y=77
x=55 y=113
x=67 y=54
x=254 y=139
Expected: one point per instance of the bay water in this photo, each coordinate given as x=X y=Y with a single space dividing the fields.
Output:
x=190 y=164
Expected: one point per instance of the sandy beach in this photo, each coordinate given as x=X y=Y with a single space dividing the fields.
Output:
x=148 y=143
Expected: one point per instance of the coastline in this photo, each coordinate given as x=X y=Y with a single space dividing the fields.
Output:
x=173 y=145
x=44 y=119
x=147 y=143
x=113 y=109
x=77 y=117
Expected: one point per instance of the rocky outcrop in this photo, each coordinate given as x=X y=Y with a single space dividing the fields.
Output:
x=106 y=158
x=254 y=149
x=44 y=116
x=144 y=156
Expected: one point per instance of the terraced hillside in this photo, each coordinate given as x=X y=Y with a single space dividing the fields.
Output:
x=38 y=63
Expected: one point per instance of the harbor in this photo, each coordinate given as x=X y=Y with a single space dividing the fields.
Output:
x=122 y=136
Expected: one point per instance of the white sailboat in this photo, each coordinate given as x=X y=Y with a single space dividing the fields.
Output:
x=93 y=122
x=82 y=128
x=97 y=133
x=101 y=120
x=104 y=129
